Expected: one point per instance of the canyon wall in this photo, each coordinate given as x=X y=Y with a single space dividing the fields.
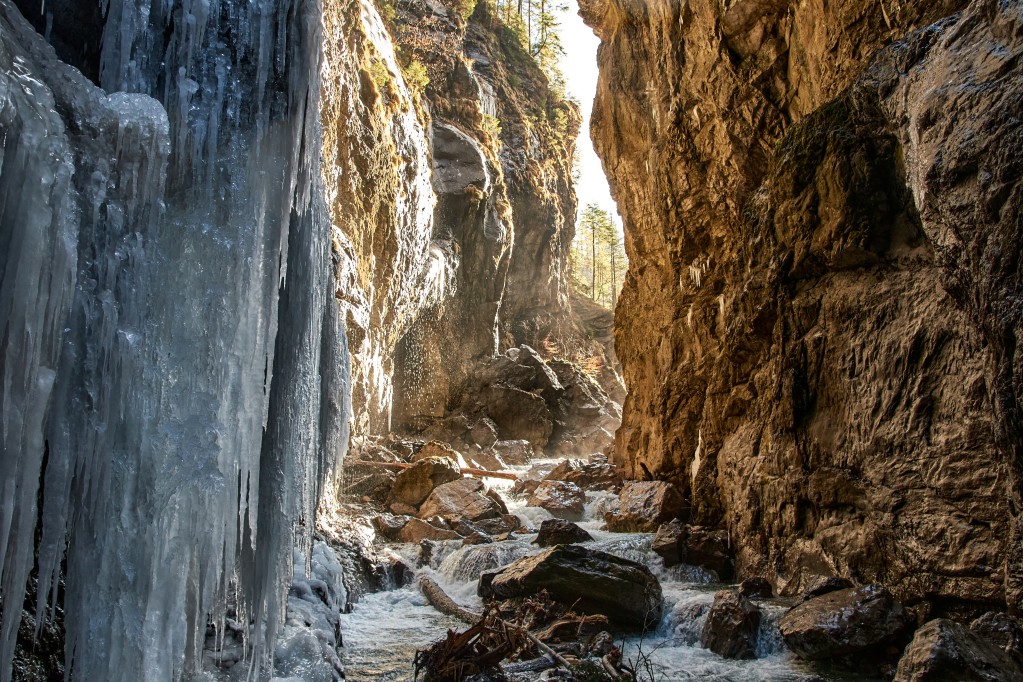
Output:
x=820 y=324
x=449 y=177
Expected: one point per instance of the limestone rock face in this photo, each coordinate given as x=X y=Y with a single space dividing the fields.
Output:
x=820 y=326
x=945 y=651
x=591 y=581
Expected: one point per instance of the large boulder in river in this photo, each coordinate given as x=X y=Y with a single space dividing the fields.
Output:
x=708 y=548
x=945 y=651
x=560 y=532
x=731 y=627
x=1002 y=630
x=563 y=500
x=588 y=476
x=645 y=505
x=413 y=485
x=416 y=530
x=845 y=622
x=465 y=498
x=587 y=580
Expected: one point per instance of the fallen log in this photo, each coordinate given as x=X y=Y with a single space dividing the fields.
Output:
x=445 y=604
x=479 y=473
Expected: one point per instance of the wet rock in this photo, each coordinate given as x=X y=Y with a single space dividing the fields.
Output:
x=601 y=644
x=502 y=506
x=945 y=651
x=417 y=530
x=506 y=523
x=514 y=452
x=529 y=481
x=708 y=548
x=413 y=485
x=388 y=525
x=587 y=580
x=845 y=622
x=825 y=584
x=563 y=500
x=488 y=460
x=593 y=476
x=484 y=433
x=465 y=498
x=477 y=538
x=560 y=532
x=731 y=627
x=644 y=505
x=1002 y=630
x=666 y=542
x=756 y=588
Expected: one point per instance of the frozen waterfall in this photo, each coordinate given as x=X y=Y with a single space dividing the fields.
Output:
x=173 y=372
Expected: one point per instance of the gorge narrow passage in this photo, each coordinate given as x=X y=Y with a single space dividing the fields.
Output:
x=320 y=322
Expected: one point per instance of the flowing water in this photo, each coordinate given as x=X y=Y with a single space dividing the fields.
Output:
x=384 y=630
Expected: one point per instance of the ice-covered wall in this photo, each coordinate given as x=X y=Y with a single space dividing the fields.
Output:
x=173 y=367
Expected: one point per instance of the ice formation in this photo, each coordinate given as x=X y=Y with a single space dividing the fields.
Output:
x=173 y=368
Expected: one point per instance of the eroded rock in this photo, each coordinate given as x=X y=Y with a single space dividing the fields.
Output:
x=464 y=498
x=562 y=499
x=413 y=485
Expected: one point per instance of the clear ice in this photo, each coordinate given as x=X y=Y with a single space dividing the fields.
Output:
x=173 y=370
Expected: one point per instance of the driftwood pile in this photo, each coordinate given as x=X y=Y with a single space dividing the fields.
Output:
x=521 y=635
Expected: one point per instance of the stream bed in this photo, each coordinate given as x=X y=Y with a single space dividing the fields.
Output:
x=384 y=630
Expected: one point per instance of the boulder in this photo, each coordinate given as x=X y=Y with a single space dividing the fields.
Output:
x=488 y=460
x=484 y=433
x=1002 y=630
x=596 y=476
x=756 y=588
x=587 y=580
x=464 y=498
x=731 y=627
x=666 y=543
x=417 y=530
x=376 y=485
x=644 y=505
x=561 y=499
x=506 y=523
x=560 y=532
x=388 y=526
x=477 y=539
x=436 y=448
x=945 y=651
x=514 y=452
x=709 y=549
x=824 y=584
x=520 y=415
x=498 y=500
x=413 y=485
x=845 y=622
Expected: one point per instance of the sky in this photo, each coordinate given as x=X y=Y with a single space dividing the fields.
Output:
x=579 y=65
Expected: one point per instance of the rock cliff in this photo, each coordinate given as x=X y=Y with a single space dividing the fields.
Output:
x=449 y=177
x=820 y=325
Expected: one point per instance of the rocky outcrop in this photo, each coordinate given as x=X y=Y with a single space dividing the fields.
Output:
x=644 y=505
x=820 y=325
